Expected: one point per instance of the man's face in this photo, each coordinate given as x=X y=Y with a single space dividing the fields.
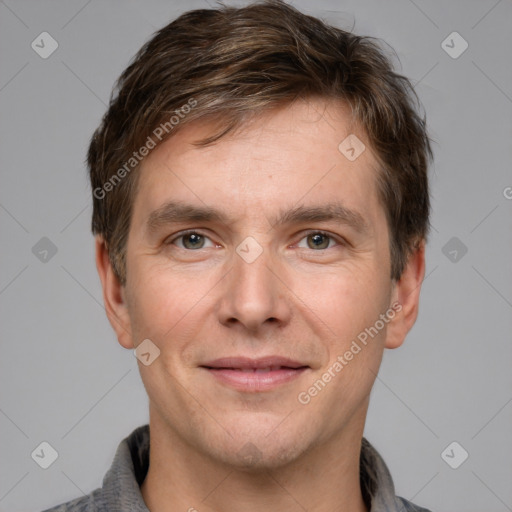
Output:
x=270 y=282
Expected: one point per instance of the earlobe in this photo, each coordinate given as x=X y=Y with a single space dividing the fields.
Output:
x=406 y=294
x=113 y=295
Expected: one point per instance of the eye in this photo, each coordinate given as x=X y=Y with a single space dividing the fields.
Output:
x=191 y=240
x=317 y=240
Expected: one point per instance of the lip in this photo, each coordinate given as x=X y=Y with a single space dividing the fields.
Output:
x=254 y=375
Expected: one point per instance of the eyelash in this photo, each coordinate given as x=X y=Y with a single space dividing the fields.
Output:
x=182 y=234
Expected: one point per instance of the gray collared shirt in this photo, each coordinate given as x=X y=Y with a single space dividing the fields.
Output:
x=121 y=484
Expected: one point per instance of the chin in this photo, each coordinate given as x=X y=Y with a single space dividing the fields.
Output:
x=258 y=448
x=256 y=458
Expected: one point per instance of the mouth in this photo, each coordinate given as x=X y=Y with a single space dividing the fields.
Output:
x=255 y=375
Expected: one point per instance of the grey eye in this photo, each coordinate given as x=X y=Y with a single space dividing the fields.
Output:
x=192 y=241
x=317 y=240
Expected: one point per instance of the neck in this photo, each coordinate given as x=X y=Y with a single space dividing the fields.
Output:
x=180 y=478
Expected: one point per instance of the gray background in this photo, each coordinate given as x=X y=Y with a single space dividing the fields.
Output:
x=63 y=377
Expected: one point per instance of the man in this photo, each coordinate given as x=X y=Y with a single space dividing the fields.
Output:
x=261 y=209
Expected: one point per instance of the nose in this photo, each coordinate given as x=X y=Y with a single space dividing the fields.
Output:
x=255 y=297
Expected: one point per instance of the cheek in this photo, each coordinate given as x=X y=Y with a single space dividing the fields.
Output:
x=360 y=333
x=173 y=309
x=162 y=300
x=345 y=300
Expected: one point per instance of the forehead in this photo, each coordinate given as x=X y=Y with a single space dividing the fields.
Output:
x=292 y=155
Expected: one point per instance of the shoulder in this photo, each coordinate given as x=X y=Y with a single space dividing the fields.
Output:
x=407 y=506
x=90 y=503
x=121 y=483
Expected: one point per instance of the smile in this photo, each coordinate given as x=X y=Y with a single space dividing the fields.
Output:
x=255 y=375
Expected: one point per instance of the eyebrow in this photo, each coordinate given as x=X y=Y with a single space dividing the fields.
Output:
x=173 y=212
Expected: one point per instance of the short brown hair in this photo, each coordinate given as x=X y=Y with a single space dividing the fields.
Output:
x=229 y=63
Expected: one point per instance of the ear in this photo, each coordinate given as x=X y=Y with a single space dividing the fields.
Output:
x=113 y=296
x=406 y=296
